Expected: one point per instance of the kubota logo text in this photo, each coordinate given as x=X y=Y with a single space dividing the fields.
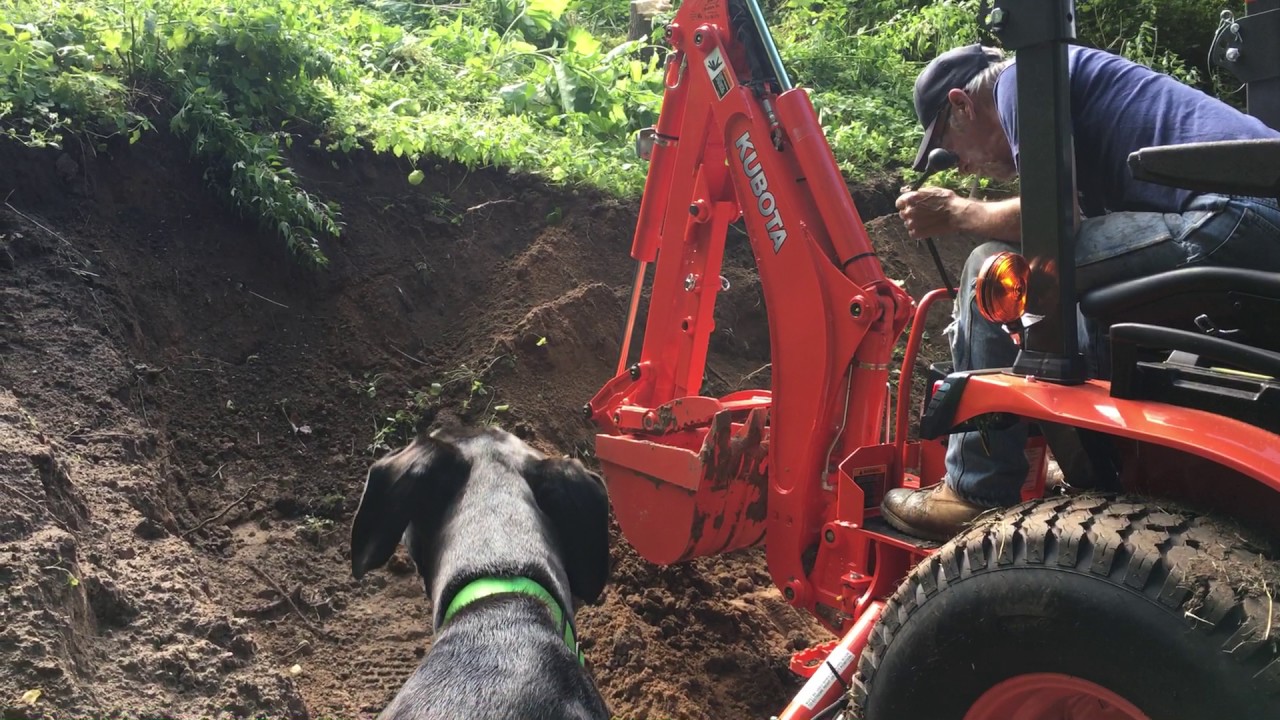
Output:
x=766 y=203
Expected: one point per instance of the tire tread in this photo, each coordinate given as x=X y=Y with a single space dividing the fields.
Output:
x=1149 y=548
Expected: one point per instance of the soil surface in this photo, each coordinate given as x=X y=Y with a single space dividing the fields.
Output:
x=187 y=416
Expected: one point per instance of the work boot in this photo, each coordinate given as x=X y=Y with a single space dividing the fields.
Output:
x=932 y=513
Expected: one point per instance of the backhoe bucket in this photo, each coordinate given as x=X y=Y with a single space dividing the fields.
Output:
x=701 y=491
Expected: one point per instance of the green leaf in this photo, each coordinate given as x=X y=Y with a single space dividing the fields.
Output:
x=552 y=8
x=566 y=86
x=582 y=42
x=541 y=341
x=516 y=95
x=112 y=40
x=521 y=47
x=416 y=177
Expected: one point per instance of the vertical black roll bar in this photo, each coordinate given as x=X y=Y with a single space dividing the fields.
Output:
x=1039 y=31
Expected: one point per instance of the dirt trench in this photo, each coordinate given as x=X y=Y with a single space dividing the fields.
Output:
x=187 y=415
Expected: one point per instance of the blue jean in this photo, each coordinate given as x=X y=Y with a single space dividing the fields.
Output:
x=989 y=467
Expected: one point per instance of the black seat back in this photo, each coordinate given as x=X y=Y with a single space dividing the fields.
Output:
x=1231 y=167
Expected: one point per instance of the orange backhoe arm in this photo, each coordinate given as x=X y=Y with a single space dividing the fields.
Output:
x=692 y=475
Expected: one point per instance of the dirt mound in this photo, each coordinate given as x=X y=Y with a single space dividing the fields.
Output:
x=186 y=417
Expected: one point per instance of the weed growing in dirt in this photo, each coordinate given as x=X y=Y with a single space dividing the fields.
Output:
x=315 y=529
x=72 y=580
x=368 y=385
x=317 y=524
x=465 y=388
x=398 y=429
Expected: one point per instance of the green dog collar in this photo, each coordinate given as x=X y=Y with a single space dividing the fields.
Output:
x=486 y=587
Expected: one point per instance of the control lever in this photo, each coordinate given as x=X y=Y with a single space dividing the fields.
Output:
x=938 y=161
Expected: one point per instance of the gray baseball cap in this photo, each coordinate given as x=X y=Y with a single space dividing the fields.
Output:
x=950 y=70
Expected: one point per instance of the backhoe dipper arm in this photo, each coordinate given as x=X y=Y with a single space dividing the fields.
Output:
x=732 y=143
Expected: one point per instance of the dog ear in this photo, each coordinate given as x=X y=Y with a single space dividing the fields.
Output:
x=403 y=487
x=577 y=503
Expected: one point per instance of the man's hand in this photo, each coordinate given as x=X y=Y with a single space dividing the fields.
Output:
x=934 y=211
x=931 y=211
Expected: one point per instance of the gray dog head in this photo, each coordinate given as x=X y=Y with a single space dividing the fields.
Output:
x=480 y=502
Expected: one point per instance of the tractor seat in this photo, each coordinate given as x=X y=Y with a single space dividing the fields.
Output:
x=1229 y=167
x=1202 y=337
x=1229 y=303
x=1237 y=305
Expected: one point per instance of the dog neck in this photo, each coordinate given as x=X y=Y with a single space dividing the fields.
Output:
x=492 y=586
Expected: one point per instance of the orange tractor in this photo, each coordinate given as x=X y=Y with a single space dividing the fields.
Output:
x=1144 y=598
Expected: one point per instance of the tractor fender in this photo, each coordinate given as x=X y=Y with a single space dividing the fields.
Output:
x=1246 y=449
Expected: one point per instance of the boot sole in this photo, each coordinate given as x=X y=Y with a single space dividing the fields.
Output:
x=906 y=527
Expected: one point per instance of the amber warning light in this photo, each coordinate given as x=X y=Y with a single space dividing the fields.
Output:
x=1002 y=287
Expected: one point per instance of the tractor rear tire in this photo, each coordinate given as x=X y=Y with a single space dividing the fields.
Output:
x=1166 y=610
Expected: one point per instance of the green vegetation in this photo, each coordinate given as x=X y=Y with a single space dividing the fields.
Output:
x=506 y=82
x=466 y=389
x=542 y=86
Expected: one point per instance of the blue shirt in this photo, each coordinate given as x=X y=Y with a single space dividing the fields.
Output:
x=1117 y=107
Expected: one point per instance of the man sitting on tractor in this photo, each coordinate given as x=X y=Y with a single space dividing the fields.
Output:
x=967 y=101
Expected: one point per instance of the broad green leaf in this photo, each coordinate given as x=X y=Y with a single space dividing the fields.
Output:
x=416 y=177
x=567 y=87
x=554 y=8
x=582 y=42
x=516 y=95
x=521 y=47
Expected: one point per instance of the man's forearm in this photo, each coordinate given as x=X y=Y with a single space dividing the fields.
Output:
x=998 y=220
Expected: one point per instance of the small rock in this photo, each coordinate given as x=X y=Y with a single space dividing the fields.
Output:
x=400 y=564
x=67 y=168
x=149 y=529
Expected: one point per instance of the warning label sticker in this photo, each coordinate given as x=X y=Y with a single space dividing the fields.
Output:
x=716 y=71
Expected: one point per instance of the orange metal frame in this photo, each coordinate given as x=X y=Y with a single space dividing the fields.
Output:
x=804 y=464
x=832 y=312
